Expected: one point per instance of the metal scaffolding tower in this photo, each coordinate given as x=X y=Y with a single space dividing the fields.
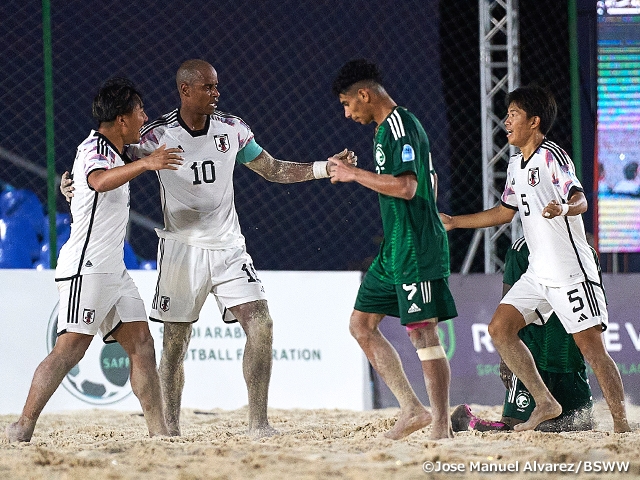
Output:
x=499 y=74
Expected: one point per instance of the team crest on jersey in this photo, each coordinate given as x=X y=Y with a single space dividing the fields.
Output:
x=88 y=316
x=380 y=157
x=534 y=176
x=523 y=400
x=165 y=302
x=222 y=142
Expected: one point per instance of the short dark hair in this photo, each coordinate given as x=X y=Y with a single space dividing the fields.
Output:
x=354 y=71
x=630 y=170
x=536 y=102
x=118 y=96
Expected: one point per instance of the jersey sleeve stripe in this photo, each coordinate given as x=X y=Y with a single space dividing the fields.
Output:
x=559 y=154
x=400 y=124
x=394 y=128
x=102 y=148
x=228 y=115
x=518 y=244
x=166 y=119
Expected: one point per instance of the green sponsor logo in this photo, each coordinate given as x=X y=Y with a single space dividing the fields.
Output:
x=447 y=336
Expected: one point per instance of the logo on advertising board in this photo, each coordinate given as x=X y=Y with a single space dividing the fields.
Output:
x=447 y=338
x=102 y=376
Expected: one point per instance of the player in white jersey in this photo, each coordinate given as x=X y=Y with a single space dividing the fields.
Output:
x=96 y=293
x=201 y=248
x=562 y=275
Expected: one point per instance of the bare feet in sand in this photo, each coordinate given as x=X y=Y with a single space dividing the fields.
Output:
x=441 y=433
x=621 y=426
x=408 y=423
x=543 y=411
x=262 y=432
x=17 y=433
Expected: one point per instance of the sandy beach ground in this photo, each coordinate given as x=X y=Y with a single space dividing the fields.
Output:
x=313 y=444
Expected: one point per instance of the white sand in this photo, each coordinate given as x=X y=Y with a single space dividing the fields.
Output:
x=313 y=444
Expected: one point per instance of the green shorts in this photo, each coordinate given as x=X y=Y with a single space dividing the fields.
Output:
x=412 y=302
x=571 y=390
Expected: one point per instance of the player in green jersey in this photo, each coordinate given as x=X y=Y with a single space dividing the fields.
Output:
x=558 y=359
x=409 y=276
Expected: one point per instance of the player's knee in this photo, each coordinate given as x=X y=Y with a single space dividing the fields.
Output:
x=423 y=334
x=355 y=330
x=592 y=346
x=494 y=330
x=253 y=316
x=258 y=324
x=359 y=328
x=500 y=330
x=266 y=321
x=71 y=359
x=596 y=358
x=143 y=347
x=174 y=351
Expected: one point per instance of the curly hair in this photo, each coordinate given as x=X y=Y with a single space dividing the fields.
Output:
x=354 y=71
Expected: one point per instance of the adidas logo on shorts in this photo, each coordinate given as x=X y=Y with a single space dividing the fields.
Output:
x=414 y=308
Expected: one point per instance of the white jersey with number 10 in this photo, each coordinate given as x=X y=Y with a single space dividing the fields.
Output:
x=198 y=198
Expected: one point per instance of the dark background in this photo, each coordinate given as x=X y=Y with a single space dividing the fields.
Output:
x=276 y=62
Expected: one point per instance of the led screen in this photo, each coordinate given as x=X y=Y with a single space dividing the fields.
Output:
x=618 y=131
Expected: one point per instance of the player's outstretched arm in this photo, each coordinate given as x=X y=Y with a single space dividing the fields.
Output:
x=66 y=186
x=497 y=215
x=161 y=159
x=403 y=186
x=281 y=171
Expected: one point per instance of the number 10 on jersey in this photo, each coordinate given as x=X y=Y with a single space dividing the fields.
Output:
x=203 y=172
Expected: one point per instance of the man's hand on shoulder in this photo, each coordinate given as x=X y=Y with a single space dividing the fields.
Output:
x=163 y=158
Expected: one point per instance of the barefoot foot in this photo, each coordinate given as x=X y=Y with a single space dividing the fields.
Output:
x=543 y=411
x=17 y=433
x=408 y=423
x=441 y=433
x=621 y=426
x=262 y=432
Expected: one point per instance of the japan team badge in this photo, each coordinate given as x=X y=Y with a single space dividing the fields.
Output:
x=88 y=316
x=534 y=176
x=165 y=302
x=222 y=142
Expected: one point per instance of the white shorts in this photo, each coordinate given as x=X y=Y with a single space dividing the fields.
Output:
x=578 y=306
x=99 y=303
x=187 y=274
